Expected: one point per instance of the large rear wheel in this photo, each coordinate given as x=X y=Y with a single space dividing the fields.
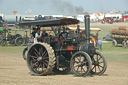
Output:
x=40 y=59
x=81 y=63
x=19 y=41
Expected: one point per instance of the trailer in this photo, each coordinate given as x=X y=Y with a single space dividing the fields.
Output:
x=119 y=39
x=120 y=36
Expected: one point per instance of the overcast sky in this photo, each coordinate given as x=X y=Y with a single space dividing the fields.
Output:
x=64 y=7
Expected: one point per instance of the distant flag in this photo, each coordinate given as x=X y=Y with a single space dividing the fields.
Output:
x=28 y=11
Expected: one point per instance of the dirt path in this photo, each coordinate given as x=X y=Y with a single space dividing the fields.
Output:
x=14 y=71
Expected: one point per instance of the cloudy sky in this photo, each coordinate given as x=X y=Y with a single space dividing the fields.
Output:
x=65 y=7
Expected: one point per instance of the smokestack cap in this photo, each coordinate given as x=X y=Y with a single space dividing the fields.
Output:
x=85 y=16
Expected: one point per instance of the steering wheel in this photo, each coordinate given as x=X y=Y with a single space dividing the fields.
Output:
x=63 y=36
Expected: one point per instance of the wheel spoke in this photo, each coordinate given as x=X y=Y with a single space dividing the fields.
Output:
x=97 y=58
x=86 y=66
x=36 y=51
x=78 y=59
x=46 y=61
x=38 y=67
x=46 y=58
x=101 y=62
x=84 y=62
x=35 y=54
x=34 y=60
x=39 y=52
x=35 y=65
x=93 y=67
x=101 y=66
x=34 y=57
x=43 y=53
x=83 y=69
x=76 y=62
x=42 y=67
x=93 y=59
x=77 y=68
x=45 y=64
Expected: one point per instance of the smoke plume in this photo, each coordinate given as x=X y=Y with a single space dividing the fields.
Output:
x=67 y=8
x=44 y=7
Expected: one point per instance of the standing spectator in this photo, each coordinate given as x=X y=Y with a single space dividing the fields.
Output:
x=100 y=44
x=1 y=20
x=34 y=32
x=42 y=36
x=31 y=40
x=37 y=36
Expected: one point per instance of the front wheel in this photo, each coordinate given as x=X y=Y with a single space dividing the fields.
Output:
x=99 y=64
x=24 y=53
x=114 y=43
x=81 y=63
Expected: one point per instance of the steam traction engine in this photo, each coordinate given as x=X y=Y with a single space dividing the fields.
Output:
x=65 y=51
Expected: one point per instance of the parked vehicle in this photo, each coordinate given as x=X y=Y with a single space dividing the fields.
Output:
x=107 y=37
x=7 y=37
x=120 y=36
x=107 y=20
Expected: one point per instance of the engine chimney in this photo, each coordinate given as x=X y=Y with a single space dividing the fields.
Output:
x=87 y=28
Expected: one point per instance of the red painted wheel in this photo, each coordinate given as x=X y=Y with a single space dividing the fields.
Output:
x=40 y=59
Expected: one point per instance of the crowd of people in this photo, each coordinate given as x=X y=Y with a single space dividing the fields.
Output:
x=37 y=36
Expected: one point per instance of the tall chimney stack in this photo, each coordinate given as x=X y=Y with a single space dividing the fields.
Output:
x=87 y=28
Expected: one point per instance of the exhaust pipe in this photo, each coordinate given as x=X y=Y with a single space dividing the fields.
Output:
x=86 y=46
x=87 y=28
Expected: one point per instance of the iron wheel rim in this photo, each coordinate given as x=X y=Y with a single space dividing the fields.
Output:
x=99 y=64
x=39 y=61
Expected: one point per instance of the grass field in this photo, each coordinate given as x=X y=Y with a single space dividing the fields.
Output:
x=14 y=70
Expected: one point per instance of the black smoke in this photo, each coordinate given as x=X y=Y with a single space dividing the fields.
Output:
x=66 y=7
x=44 y=7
